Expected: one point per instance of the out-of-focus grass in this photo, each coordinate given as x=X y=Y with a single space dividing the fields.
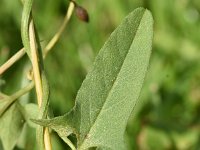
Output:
x=167 y=115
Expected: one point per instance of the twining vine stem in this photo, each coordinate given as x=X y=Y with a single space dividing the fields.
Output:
x=37 y=78
x=35 y=64
x=36 y=68
x=48 y=47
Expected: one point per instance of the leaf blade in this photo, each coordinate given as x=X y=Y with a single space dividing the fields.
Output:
x=109 y=92
x=98 y=92
x=11 y=125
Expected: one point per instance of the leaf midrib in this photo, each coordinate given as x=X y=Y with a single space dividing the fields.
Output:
x=110 y=91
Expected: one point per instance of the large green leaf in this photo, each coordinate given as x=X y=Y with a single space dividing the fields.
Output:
x=111 y=89
x=11 y=125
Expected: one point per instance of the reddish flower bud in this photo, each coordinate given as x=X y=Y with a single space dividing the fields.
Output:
x=81 y=13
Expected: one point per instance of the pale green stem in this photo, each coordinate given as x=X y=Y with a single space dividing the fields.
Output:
x=32 y=52
x=35 y=64
x=12 y=60
x=11 y=99
x=68 y=142
x=61 y=29
x=37 y=78
x=49 y=46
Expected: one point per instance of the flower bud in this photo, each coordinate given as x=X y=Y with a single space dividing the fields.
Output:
x=81 y=13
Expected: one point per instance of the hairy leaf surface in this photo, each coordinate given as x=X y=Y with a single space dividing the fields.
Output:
x=111 y=89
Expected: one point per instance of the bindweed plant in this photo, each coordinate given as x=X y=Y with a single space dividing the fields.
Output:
x=105 y=99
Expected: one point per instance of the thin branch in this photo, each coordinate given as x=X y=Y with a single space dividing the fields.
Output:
x=61 y=29
x=36 y=70
x=37 y=79
x=35 y=63
x=12 y=60
x=11 y=99
x=47 y=139
x=49 y=46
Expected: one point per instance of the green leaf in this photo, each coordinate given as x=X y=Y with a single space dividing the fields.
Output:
x=11 y=125
x=111 y=89
x=30 y=111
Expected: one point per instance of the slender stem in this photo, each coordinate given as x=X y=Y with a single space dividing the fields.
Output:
x=12 y=60
x=36 y=69
x=35 y=64
x=11 y=99
x=37 y=78
x=49 y=46
x=61 y=29
x=47 y=139
x=68 y=142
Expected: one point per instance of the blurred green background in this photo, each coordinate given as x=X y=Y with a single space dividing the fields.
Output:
x=167 y=116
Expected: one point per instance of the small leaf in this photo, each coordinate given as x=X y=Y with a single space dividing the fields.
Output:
x=111 y=89
x=11 y=125
x=59 y=124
